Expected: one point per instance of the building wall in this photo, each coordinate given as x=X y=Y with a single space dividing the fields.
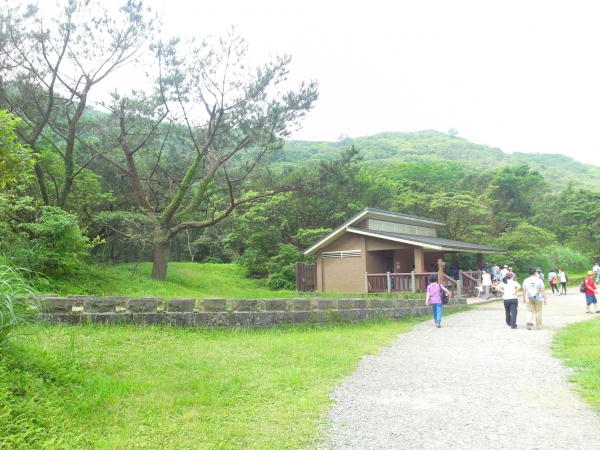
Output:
x=343 y=274
x=406 y=258
x=432 y=258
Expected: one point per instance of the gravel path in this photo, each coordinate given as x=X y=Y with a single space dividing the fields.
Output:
x=473 y=384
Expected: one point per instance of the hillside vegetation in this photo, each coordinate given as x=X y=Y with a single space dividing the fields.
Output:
x=421 y=146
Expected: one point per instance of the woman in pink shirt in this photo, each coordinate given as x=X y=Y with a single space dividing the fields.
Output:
x=434 y=298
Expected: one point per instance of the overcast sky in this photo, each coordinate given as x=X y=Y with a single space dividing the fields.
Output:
x=523 y=76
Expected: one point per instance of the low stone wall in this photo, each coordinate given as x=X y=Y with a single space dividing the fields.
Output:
x=220 y=312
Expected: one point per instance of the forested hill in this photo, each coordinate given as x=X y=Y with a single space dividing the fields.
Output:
x=420 y=146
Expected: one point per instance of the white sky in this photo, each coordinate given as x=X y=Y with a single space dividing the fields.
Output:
x=519 y=75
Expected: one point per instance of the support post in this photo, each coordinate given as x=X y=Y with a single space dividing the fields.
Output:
x=389 y=283
x=459 y=288
x=441 y=265
x=412 y=282
x=366 y=282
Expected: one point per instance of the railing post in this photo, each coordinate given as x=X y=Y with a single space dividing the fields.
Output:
x=412 y=282
x=459 y=287
x=389 y=283
x=366 y=282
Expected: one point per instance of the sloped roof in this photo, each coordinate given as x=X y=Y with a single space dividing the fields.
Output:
x=433 y=243
x=424 y=241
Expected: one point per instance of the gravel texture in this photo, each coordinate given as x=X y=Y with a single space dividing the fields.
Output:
x=473 y=384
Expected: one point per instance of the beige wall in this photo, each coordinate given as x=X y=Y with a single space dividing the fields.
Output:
x=342 y=274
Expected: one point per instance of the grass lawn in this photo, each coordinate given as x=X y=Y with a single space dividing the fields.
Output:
x=183 y=280
x=579 y=346
x=187 y=280
x=128 y=387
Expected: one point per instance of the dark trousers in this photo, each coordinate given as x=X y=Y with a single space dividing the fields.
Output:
x=510 y=306
x=554 y=286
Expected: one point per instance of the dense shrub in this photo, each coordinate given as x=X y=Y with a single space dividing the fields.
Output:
x=57 y=243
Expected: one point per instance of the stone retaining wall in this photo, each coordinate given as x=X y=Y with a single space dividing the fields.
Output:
x=225 y=313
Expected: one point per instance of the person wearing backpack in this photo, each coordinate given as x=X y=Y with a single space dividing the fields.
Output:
x=533 y=295
x=434 y=298
x=590 y=293
x=509 y=288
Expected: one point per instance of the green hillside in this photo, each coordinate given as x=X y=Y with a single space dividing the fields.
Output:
x=420 y=146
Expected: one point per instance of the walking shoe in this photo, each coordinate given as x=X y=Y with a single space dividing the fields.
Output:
x=589 y=312
x=514 y=328
x=529 y=326
x=438 y=325
x=598 y=311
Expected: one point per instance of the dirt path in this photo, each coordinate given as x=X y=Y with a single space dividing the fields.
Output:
x=473 y=384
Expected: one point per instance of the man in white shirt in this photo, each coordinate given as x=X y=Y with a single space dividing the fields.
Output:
x=533 y=295
x=596 y=270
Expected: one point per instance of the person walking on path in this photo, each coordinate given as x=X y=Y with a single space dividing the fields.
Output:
x=563 y=278
x=533 y=295
x=553 y=278
x=509 y=288
x=486 y=281
x=590 y=293
x=434 y=298
x=596 y=270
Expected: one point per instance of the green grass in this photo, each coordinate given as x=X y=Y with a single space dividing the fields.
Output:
x=183 y=280
x=127 y=387
x=188 y=280
x=579 y=346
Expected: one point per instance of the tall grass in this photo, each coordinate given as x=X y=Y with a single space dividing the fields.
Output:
x=18 y=299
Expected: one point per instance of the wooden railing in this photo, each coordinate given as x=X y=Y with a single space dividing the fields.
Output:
x=403 y=282
x=470 y=284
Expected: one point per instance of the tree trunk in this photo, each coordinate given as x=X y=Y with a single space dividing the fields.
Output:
x=160 y=260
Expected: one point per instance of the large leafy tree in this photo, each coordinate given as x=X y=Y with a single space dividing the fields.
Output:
x=222 y=122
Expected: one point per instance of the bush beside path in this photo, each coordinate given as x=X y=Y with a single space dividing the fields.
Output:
x=475 y=383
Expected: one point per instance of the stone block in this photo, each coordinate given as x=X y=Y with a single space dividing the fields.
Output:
x=345 y=304
x=302 y=316
x=282 y=317
x=181 y=305
x=143 y=305
x=360 y=304
x=216 y=319
x=57 y=305
x=215 y=305
x=399 y=303
x=275 y=305
x=180 y=319
x=262 y=319
x=105 y=305
x=318 y=317
x=241 y=319
x=244 y=305
x=300 y=304
x=323 y=305
x=149 y=319
x=79 y=300
x=387 y=304
x=347 y=314
x=120 y=302
x=420 y=303
x=361 y=314
x=374 y=303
